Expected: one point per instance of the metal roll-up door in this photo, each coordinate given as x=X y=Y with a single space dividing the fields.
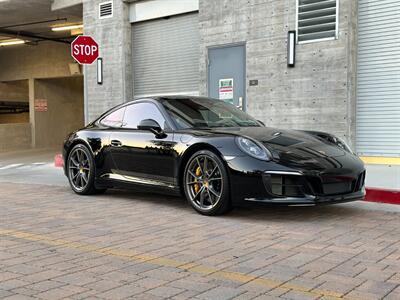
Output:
x=378 y=78
x=166 y=56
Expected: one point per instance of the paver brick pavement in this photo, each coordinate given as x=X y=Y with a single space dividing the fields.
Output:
x=125 y=245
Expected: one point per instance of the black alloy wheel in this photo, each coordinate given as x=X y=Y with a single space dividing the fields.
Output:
x=206 y=183
x=81 y=171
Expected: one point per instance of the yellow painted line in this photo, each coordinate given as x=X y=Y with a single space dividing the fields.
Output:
x=373 y=160
x=166 y=262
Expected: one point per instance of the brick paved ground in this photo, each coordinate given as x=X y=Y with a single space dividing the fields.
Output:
x=56 y=245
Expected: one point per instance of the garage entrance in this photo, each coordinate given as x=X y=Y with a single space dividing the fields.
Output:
x=14 y=102
x=378 y=79
x=41 y=87
x=166 y=55
x=15 y=128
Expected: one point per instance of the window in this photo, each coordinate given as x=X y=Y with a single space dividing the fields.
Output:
x=141 y=111
x=206 y=113
x=105 y=10
x=114 y=119
x=317 y=20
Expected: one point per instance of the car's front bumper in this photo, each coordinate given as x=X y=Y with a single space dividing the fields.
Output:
x=277 y=184
x=310 y=200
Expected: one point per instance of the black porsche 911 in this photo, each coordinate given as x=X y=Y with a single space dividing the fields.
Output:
x=213 y=153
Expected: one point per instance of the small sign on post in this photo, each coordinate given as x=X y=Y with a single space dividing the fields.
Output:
x=84 y=50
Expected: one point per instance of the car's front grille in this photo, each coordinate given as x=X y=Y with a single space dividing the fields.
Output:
x=334 y=188
x=360 y=182
x=333 y=185
x=284 y=185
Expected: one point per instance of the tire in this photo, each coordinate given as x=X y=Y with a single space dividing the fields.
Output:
x=206 y=184
x=81 y=171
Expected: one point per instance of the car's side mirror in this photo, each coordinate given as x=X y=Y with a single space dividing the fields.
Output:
x=153 y=126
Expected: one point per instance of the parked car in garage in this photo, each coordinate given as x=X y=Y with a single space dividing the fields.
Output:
x=214 y=154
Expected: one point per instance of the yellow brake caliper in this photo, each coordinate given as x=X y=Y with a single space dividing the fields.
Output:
x=196 y=185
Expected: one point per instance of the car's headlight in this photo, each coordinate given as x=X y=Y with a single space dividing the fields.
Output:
x=253 y=148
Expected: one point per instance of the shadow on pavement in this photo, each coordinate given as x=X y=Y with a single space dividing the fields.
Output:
x=252 y=211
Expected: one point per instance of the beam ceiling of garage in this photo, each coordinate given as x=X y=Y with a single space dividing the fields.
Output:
x=32 y=20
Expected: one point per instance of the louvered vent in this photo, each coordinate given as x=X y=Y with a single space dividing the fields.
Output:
x=317 y=20
x=105 y=10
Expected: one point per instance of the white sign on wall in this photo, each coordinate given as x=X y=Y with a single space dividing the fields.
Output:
x=225 y=89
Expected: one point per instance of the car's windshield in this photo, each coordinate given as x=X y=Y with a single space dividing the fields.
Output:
x=206 y=113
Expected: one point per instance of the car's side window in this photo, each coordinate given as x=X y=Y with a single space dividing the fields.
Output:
x=141 y=111
x=114 y=119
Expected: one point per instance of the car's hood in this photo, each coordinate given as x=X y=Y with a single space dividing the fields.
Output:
x=288 y=144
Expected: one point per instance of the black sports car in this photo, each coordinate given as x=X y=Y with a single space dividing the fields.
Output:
x=215 y=154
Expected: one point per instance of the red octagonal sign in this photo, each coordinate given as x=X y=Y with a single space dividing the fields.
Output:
x=84 y=49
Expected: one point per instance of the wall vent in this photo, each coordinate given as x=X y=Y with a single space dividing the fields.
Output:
x=105 y=10
x=317 y=20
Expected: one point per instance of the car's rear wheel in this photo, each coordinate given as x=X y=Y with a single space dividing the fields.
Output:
x=206 y=183
x=81 y=171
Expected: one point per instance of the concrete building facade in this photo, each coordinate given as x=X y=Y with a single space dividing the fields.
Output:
x=345 y=81
x=345 y=77
x=318 y=93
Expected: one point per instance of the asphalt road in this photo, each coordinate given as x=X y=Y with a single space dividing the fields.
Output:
x=31 y=166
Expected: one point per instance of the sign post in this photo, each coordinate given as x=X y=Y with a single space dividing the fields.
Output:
x=84 y=50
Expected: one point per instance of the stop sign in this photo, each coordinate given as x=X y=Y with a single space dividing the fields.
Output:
x=84 y=49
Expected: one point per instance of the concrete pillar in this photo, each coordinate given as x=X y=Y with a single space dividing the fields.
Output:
x=31 y=86
x=114 y=38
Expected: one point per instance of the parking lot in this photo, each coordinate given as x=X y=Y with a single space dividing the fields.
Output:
x=57 y=245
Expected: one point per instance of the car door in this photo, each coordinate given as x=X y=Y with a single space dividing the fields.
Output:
x=101 y=140
x=139 y=155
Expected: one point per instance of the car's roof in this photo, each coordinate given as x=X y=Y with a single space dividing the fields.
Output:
x=154 y=98
x=171 y=97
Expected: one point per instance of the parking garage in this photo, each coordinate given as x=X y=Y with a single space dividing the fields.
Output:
x=41 y=87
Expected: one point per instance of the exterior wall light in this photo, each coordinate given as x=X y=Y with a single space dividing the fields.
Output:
x=100 y=70
x=67 y=27
x=291 y=49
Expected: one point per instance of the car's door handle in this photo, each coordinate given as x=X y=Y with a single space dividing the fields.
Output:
x=116 y=143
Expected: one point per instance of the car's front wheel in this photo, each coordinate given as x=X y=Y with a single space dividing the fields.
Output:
x=206 y=183
x=81 y=171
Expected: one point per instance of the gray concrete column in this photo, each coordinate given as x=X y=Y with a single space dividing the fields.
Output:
x=114 y=38
x=31 y=86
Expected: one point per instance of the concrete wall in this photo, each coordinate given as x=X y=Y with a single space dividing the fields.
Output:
x=14 y=91
x=318 y=94
x=114 y=38
x=15 y=136
x=65 y=110
x=45 y=60
x=14 y=118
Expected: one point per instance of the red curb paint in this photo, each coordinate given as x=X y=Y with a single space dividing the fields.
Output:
x=58 y=161
x=383 y=196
